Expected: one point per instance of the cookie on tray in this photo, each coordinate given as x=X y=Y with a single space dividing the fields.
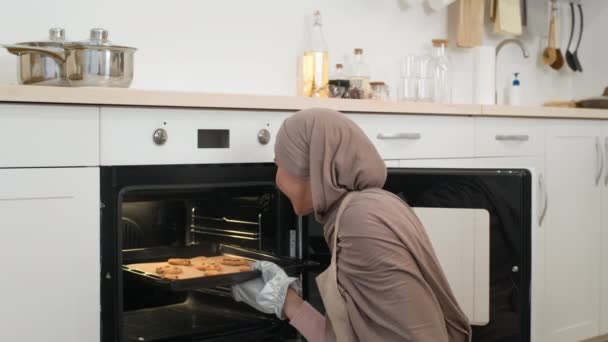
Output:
x=168 y=269
x=179 y=262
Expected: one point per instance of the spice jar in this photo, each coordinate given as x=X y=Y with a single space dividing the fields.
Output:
x=379 y=91
x=338 y=82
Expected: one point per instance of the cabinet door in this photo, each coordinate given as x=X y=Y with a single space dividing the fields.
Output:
x=572 y=231
x=604 y=239
x=37 y=135
x=50 y=252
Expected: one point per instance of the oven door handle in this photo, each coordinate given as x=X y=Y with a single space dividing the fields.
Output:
x=545 y=203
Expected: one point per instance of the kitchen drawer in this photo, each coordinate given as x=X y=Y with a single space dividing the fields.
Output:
x=48 y=135
x=500 y=137
x=193 y=136
x=417 y=136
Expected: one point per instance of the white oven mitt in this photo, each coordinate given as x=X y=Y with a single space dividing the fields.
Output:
x=266 y=294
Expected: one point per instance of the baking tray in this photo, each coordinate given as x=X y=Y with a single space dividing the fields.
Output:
x=155 y=255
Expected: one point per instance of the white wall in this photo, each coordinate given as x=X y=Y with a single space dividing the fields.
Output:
x=244 y=46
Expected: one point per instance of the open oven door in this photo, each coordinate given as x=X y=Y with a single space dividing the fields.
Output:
x=479 y=221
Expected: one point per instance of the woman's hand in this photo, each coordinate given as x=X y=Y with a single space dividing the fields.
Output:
x=268 y=294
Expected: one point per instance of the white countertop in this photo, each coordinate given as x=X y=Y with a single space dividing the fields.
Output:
x=158 y=98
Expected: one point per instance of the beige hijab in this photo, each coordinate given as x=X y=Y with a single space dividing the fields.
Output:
x=337 y=156
x=333 y=152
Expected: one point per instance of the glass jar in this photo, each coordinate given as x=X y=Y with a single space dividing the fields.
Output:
x=408 y=86
x=379 y=91
x=425 y=80
x=442 y=88
x=359 y=77
x=338 y=82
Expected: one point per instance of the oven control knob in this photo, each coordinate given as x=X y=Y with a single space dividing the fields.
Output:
x=264 y=136
x=515 y=269
x=160 y=136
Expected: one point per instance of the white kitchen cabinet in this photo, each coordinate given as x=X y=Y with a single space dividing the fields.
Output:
x=604 y=238
x=571 y=289
x=418 y=136
x=37 y=135
x=509 y=137
x=50 y=252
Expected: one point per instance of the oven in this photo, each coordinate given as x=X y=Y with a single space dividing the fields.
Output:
x=208 y=188
x=152 y=213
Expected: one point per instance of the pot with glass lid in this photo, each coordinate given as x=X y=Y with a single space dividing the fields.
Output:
x=92 y=63
x=43 y=69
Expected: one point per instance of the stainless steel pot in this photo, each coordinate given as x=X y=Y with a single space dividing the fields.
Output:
x=41 y=69
x=92 y=63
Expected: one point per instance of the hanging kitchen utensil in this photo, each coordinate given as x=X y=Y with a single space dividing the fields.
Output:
x=559 y=59
x=577 y=61
x=549 y=54
x=470 y=23
x=569 y=56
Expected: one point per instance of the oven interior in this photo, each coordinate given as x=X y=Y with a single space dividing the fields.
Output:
x=159 y=223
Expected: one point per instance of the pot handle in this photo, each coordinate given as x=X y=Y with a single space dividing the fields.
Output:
x=19 y=50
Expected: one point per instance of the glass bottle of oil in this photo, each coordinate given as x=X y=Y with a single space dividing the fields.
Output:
x=314 y=64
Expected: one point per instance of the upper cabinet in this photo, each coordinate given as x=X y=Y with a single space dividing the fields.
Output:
x=48 y=135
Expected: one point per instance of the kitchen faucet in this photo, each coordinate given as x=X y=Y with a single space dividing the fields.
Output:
x=500 y=45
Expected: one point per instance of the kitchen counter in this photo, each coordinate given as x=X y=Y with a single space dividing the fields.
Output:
x=158 y=98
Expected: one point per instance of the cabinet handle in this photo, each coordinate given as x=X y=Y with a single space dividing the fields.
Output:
x=399 y=136
x=512 y=137
x=600 y=160
x=606 y=156
x=543 y=191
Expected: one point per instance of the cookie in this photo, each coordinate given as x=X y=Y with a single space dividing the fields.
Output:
x=168 y=269
x=179 y=262
x=209 y=266
x=233 y=261
x=171 y=276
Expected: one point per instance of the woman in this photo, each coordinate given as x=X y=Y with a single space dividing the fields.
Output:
x=384 y=282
